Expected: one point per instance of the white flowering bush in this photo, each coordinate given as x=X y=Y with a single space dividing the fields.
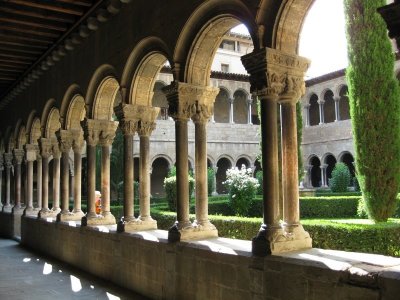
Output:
x=242 y=187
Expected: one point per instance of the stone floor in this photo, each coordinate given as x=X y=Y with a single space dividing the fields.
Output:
x=27 y=275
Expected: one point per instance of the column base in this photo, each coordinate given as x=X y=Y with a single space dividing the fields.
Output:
x=30 y=211
x=70 y=216
x=191 y=232
x=275 y=240
x=7 y=208
x=94 y=220
x=139 y=225
x=17 y=210
x=46 y=213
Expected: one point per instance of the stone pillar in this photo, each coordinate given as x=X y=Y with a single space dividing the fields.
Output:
x=65 y=140
x=249 y=105
x=231 y=100
x=178 y=96
x=30 y=157
x=201 y=111
x=307 y=115
x=324 y=179
x=307 y=176
x=276 y=76
x=8 y=165
x=321 y=112
x=77 y=145
x=18 y=157
x=56 y=178
x=1 y=181
x=146 y=126
x=45 y=152
x=128 y=115
x=337 y=108
x=214 y=192
x=38 y=180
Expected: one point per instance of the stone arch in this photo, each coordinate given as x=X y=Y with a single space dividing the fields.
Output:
x=75 y=113
x=141 y=69
x=202 y=35
x=164 y=156
x=243 y=159
x=34 y=131
x=347 y=158
x=16 y=133
x=287 y=26
x=329 y=106
x=330 y=161
x=344 y=105
x=221 y=106
x=9 y=139
x=210 y=161
x=315 y=164
x=50 y=104
x=313 y=110
x=161 y=165
x=224 y=162
x=101 y=93
x=51 y=123
x=257 y=167
x=240 y=106
x=21 y=138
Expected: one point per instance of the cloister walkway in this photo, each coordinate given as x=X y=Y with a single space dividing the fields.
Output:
x=27 y=275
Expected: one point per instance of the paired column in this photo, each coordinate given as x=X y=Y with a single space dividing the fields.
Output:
x=30 y=156
x=38 y=179
x=277 y=77
x=45 y=152
x=56 y=177
x=77 y=146
x=249 y=105
x=18 y=157
x=324 y=179
x=8 y=166
x=231 y=100
x=321 y=112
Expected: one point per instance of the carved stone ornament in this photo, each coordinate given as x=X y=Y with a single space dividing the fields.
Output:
x=8 y=160
x=77 y=140
x=46 y=147
x=276 y=73
x=55 y=148
x=184 y=99
x=65 y=140
x=201 y=113
x=128 y=127
x=18 y=156
x=91 y=131
x=146 y=128
x=30 y=152
x=107 y=132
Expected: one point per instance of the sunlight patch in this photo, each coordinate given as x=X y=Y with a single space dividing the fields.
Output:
x=47 y=268
x=76 y=285
x=112 y=297
x=26 y=259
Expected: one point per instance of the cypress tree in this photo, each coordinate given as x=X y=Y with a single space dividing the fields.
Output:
x=374 y=105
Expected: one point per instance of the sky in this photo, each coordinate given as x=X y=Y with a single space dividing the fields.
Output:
x=322 y=38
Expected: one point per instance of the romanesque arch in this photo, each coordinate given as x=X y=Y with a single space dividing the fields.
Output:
x=223 y=164
x=314 y=110
x=344 y=106
x=222 y=106
x=160 y=168
x=243 y=160
x=315 y=164
x=329 y=163
x=240 y=107
x=347 y=158
x=329 y=107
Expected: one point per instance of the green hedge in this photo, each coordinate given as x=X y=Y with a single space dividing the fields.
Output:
x=328 y=192
x=329 y=207
x=326 y=234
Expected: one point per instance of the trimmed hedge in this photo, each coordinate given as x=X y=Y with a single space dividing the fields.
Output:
x=326 y=234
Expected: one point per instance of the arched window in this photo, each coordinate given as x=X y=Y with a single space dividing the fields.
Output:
x=330 y=161
x=240 y=107
x=344 y=104
x=314 y=110
x=329 y=107
x=315 y=171
x=223 y=165
x=221 y=107
x=160 y=168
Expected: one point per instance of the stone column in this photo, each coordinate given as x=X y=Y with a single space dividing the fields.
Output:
x=77 y=146
x=106 y=138
x=249 y=105
x=307 y=115
x=275 y=76
x=45 y=152
x=231 y=100
x=65 y=141
x=1 y=181
x=56 y=178
x=178 y=96
x=30 y=157
x=201 y=111
x=214 y=192
x=18 y=157
x=38 y=180
x=146 y=126
x=8 y=165
x=337 y=108
x=324 y=179
x=321 y=112
x=91 y=133
x=307 y=176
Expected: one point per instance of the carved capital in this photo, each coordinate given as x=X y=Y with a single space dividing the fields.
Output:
x=8 y=160
x=91 y=131
x=45 y=146
x=276 y=73
x=146 y=128
x=30 y=152
x=65 y=140
x=107 y=132
x=55 y=148
x=18 y=155
x=201 y=113
x=77 y=140
x=128 y=127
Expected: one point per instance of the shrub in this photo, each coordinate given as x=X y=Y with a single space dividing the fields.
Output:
x=170 y=190
x=340 y=178
x=259 y=176
x=210 y=180
x=242 y=187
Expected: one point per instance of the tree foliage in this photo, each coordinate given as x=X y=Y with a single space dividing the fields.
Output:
x=170 y=188
x=340 y=178
x=374 y=105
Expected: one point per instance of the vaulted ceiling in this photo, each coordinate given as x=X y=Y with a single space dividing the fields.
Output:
x=32 y=29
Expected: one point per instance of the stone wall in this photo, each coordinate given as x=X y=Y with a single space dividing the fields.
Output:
x=213 y=269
